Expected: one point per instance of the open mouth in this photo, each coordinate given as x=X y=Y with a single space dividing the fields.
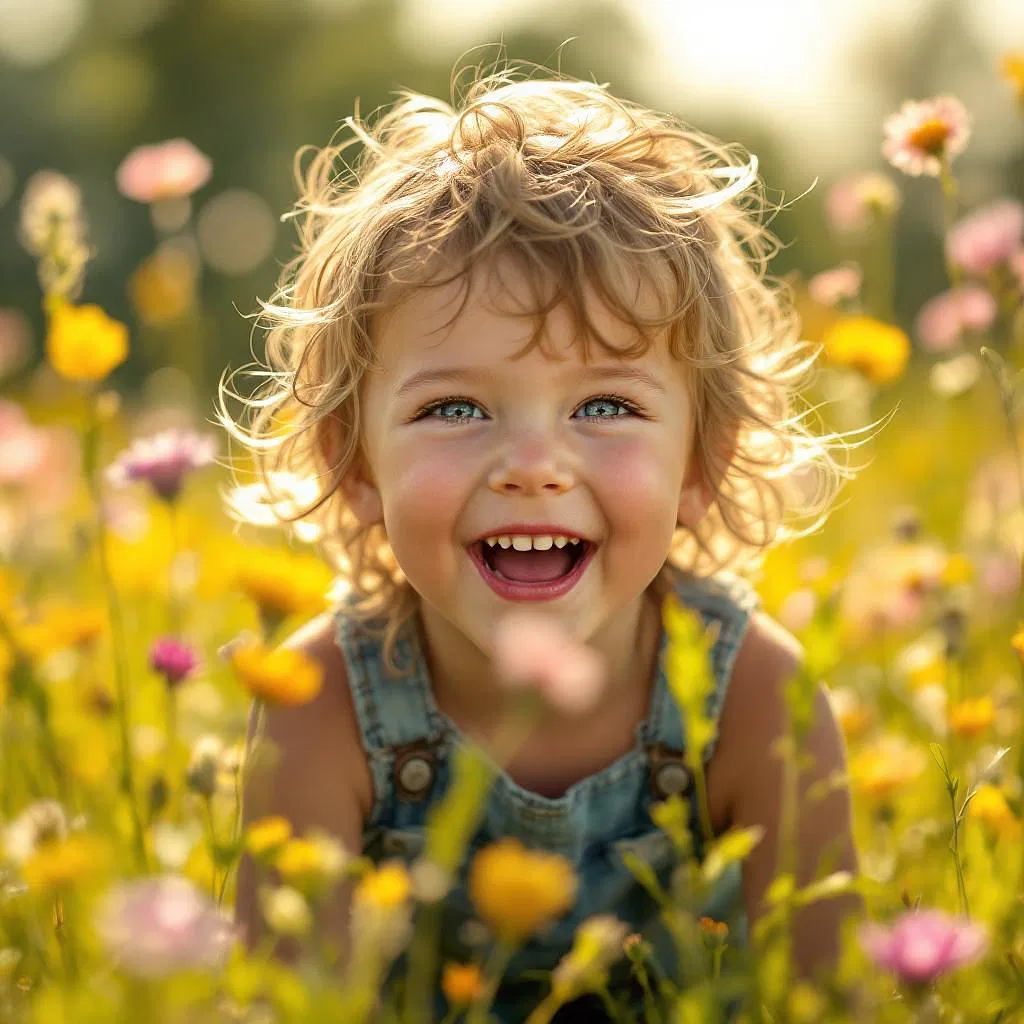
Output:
x=531 y=566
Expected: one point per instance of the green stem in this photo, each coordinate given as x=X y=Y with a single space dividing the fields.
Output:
x=652 y=1015
x=174 y=609
x=950 y=192
x=419 y=985
x=127 y=782
x=493 y=973
x=961 y=882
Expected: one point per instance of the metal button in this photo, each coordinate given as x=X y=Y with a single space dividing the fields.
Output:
x=392 y=843
x=671 y=778
x=414 y=774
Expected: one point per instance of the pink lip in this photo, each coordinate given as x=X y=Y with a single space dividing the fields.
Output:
x=510 y=590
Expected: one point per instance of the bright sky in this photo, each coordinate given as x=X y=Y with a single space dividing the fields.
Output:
x=784 y=59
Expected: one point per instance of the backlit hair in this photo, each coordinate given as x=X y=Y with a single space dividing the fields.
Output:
x=589 y=195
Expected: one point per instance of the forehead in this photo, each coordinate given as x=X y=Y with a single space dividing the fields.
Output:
x=491 y=315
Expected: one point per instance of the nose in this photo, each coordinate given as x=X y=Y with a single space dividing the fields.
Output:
x=530 y=466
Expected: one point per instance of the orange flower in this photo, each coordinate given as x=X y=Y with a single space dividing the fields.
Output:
x=1012 y=67
x=878 y=350
x=282 y=676
x=518 y=891
x=972 y=716
x=714 y=929
x=461 y=983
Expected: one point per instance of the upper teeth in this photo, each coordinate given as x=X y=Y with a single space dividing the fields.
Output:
x=527 y=542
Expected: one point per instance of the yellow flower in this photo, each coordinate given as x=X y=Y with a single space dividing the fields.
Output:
x=387 y=887
x=518 y=891
x=989 y=805
x=58 y=627
x=886 y=767
x=958 y=569
x=268 y=835
x=83 y=343
x=282 y=676
x=382 y=909
x=878 y=350
x=1012 y=66
x=461 y=983
x=1017 y=641
x=282 y=583
x=972 y=716
x=312 y=864
x=65 y=861
x=163 y=287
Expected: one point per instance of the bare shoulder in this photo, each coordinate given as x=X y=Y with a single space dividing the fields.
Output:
x=319 y=762
x=755 y=713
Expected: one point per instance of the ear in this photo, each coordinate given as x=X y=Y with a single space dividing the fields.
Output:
x=701 y=483
x=357 y=485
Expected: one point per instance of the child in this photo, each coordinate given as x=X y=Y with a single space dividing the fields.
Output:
x=529 y=355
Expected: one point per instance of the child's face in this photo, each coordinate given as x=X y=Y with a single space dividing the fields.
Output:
x=466 y=443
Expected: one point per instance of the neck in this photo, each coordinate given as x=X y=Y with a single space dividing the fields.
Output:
x=468 y=691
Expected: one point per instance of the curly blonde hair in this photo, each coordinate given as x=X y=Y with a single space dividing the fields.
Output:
x=576 y=186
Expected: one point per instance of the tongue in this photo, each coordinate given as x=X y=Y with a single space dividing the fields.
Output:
x=531 y=566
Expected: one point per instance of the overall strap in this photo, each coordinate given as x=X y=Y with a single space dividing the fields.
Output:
x=725 y=602
x=399 y=725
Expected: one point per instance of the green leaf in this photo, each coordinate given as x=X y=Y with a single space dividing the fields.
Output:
x=825 y=888
x=735 y=845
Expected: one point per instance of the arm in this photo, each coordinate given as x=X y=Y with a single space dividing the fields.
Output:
x=314 y=773
x=750 y=783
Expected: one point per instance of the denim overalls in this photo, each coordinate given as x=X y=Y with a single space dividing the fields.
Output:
x=408 y=743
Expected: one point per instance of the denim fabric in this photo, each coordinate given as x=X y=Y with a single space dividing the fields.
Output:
x=593 y=824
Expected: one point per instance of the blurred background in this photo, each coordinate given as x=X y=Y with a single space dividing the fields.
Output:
x=804 y=84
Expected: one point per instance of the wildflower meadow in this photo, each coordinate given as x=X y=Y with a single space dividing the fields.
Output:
x=140 y=629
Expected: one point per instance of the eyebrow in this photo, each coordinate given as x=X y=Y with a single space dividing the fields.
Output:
x=454 y=375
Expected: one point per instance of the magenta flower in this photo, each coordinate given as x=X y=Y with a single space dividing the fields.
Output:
x=153 y=927
x=168 y=170
x=830 y=287
x=534 y=650
x=922 y=945
x=854 y=200
x=944 y=319
x=986 y=238
x=163 y=461
x=924 y=134
x=172 y=659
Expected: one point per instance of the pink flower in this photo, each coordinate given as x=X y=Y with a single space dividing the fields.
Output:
x=924 y=134
x=924 y=944
x=153 y=927
x=533 y=650
x=854 y=200
x=172 y=659
x=946 y=317
x=163 y=461
x=986 y=238
x=22 y=446
x=168 y=170
x=830 y=287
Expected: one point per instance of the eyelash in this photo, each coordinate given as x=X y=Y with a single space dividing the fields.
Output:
x=427 y=410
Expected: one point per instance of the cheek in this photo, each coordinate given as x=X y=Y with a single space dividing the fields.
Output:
x=640 y=482
x=422 y=491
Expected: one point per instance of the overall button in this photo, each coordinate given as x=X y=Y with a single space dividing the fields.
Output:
x=414 y=772
x=671 y=778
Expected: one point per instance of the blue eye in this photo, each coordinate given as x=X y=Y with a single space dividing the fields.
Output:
x=603 y=409
x=453 y=410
